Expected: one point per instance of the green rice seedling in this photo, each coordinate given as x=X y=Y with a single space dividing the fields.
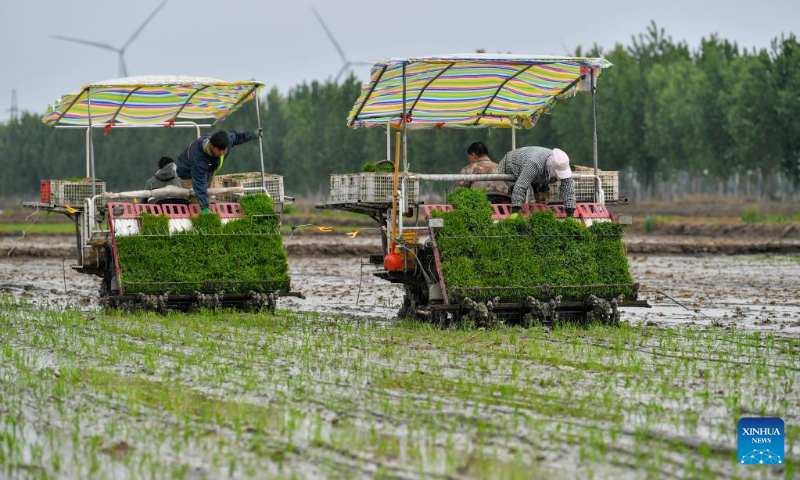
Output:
x=370 y=167
x=154 y=224
x=256 y=205
x=525 y=253
x=247 y=254
x=207 y=224
x=259 y=216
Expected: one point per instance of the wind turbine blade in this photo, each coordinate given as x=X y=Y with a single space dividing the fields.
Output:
x=86 y=42
x=341 y=71
x=360 y=63
x=123 y=69
x=144 y=24
x=330 y=35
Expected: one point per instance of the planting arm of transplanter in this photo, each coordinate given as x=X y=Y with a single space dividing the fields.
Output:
x=355 y=233
x=309 y=225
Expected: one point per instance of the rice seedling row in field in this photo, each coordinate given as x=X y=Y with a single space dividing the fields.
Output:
x=233 y=393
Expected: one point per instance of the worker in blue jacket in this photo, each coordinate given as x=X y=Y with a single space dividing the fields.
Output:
x=204 y=157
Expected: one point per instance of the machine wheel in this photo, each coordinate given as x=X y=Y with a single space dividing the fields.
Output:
x=109 y=285
x=105 y=285
x=413 y=299
x=441 y=319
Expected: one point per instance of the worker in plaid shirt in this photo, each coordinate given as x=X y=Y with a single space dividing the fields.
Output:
x=538 y=167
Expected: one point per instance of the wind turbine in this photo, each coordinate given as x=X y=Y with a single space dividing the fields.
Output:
x=123 y=69
x=347 y=63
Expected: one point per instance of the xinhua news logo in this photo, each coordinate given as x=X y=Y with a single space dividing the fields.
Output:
x=760 y=441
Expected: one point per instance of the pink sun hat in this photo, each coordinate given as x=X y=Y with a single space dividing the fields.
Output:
x=558 y=164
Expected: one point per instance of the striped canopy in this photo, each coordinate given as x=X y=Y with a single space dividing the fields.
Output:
x=470 y=90
x=151 y=100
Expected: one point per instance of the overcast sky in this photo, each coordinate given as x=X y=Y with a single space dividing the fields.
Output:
x=282 y=44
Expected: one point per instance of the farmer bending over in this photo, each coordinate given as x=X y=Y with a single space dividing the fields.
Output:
x=204 y=157
x=538 y=167
x=480 y=163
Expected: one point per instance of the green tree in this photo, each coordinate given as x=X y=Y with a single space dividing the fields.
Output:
x=673 y=115
x=752 y=115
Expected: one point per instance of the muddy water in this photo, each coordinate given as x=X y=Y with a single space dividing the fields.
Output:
x=342 y=285
x=750 y=292
x=47 y=281
x=330 y=285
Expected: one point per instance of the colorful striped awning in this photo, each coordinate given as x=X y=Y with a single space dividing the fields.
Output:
x=151 y=100
x=470 y=90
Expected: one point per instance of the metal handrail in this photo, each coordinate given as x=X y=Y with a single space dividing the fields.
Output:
x=455 y=177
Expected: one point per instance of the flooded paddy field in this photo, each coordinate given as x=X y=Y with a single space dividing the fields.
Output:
x=751 y=292
x=333 y=386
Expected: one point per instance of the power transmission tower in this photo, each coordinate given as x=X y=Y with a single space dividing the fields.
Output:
x=14 y=109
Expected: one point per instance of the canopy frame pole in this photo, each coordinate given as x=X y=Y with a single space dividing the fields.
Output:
x=421 y=92
x=88 y=160
x=366 y=99
x=597 y=188
x=261 y=144
x=181 y=124
x=497 y=92
x=188 y=99
x=236 y=105
x=71 y=104
x=388 y=140
x=405 y=126
x=91 y=140
x=399 y=218
x=513 y=133
x=114 y=117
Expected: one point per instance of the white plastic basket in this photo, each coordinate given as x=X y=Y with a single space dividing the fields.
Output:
x=249 y=180
x=369 y=188
x=73 y=193
x=345 y=188
x=584 y=187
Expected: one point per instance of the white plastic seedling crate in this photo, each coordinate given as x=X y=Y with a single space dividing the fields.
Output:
x=369 y=188
x=73 y=193
x=345 y=188
x=584 y=187
x=273 y=184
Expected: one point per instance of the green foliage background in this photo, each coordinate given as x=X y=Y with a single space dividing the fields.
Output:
x=663 y=108
x=243 y=255
x=527 y=252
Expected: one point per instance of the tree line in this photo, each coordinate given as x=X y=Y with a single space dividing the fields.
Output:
x=667 y=114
